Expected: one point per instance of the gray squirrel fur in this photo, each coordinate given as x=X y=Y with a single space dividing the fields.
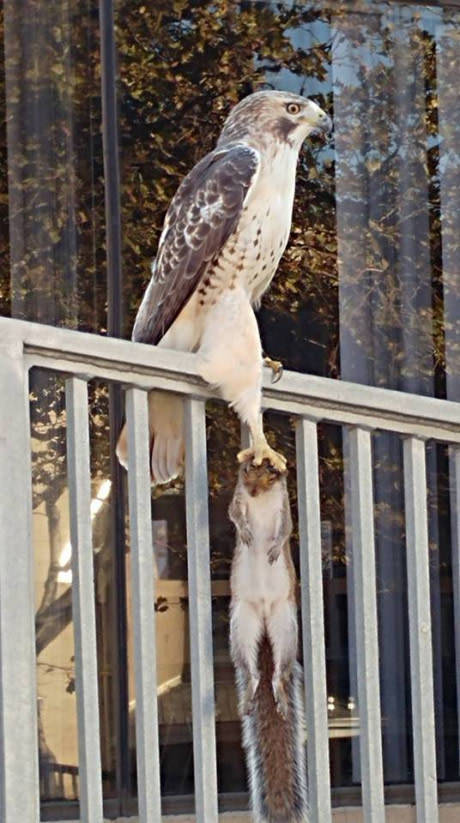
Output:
x=263 y=645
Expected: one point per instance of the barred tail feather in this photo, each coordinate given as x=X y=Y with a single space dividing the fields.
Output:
x=166 y=437
x=275 y=747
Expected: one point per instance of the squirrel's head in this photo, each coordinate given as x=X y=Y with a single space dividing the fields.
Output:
x=259 y=479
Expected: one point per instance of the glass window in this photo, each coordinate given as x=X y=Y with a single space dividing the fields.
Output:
x=367 y=291
x=52 y=246
x=362 y=294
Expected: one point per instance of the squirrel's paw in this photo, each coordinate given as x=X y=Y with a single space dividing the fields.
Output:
x=245 y=534
x=281 y=698
x=249 y=700
x=257 y=454
x=274 y=551
x=282 y=706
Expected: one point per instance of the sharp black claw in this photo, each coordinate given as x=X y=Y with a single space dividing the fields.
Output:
x=276 y=368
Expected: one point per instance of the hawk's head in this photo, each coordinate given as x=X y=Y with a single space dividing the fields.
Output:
x=276 y=115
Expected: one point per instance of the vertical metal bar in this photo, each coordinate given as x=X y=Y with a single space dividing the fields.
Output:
x=111 y=165
x=421 y=656
x=447 y=56
x=19 y=786
x=311 y=582
x=114 y=270
x=454 y=475
x=118 y=607
x=351 y=604
x=200 y=612
x=143 y=608
x=364 y=579
x=245 y=440
x=83 y=605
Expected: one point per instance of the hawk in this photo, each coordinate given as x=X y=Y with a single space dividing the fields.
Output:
x=224 y=233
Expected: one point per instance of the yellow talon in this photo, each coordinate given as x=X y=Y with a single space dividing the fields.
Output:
x=263 y=452
x=277 y=368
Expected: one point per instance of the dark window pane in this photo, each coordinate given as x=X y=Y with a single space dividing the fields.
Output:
x=366 y=291
x=52 y=247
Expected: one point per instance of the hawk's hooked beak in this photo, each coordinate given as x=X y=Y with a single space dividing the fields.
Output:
x=323 y=126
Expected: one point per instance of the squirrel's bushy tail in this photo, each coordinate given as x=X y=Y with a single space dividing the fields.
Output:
x=275 y=747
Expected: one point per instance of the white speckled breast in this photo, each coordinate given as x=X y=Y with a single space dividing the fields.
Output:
x=266 y=224
x=252 y=253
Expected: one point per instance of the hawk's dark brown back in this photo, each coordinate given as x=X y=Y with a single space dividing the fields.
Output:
x=201 y=217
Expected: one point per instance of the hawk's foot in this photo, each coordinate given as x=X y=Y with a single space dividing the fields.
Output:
x=260 y=452
x=277 y=368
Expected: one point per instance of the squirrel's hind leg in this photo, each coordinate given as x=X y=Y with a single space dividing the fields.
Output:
x=282 y=631
x=245 y=632
x=248 y=701
x=281 y=691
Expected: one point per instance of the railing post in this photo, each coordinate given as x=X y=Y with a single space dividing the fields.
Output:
x=454 y=475
x=83 y=601
x=200 y=613
x=143 y=608
x=365 y=608
x=421 y=652
x=311 y=585
x=19 y=786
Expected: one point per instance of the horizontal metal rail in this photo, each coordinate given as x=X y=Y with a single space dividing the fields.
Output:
x=139 y=368
x=147 y=367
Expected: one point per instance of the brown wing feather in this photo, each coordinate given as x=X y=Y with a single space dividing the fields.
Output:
x=202 y=215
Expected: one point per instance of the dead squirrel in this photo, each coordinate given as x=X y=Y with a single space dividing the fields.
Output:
x=263 y=645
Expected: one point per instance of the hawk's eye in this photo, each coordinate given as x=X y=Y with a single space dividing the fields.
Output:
x=292 y=108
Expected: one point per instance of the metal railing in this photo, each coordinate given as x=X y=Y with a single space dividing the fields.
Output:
x=139 y=368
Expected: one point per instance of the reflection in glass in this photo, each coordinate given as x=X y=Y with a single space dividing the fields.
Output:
x=362 y=292
x=55 y=275
x=390 y=300
x=368 y=291
x=53 y=582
